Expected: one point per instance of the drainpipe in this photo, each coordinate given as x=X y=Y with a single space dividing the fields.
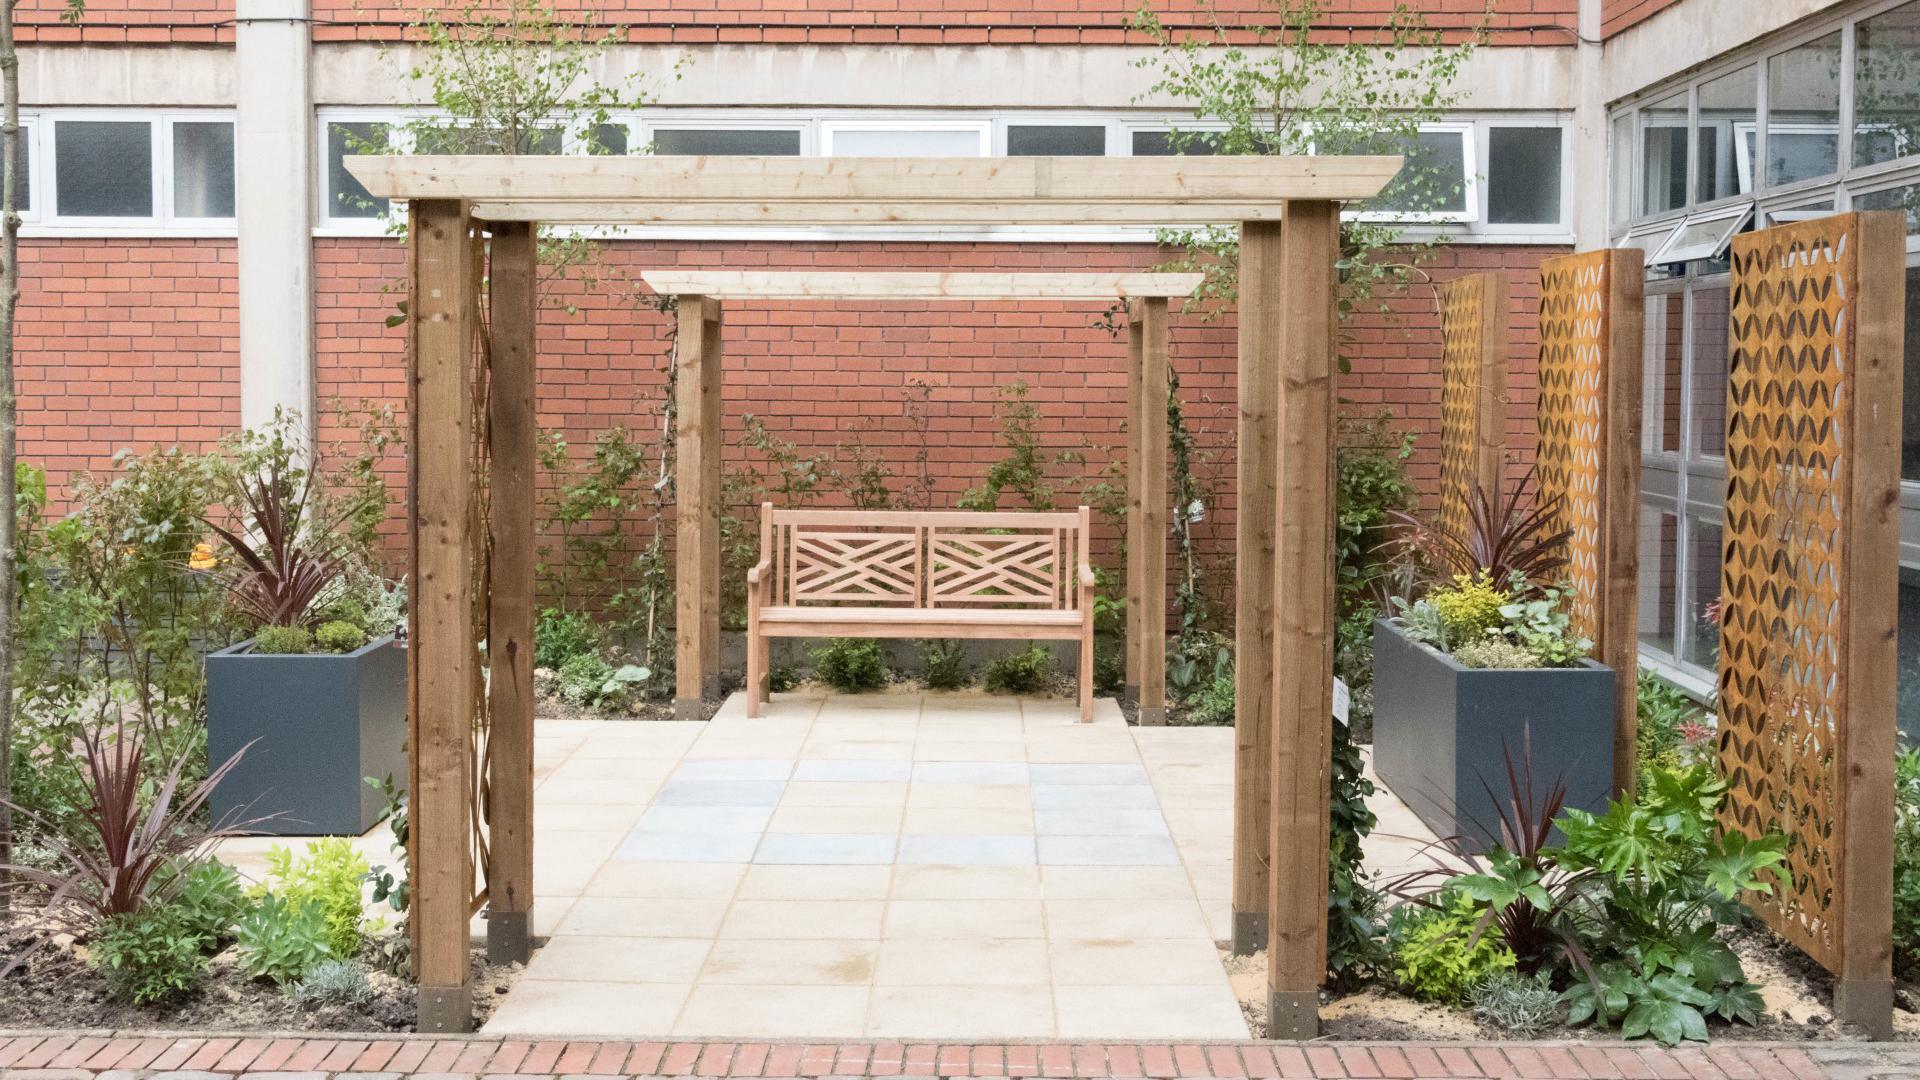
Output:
x=273 y=199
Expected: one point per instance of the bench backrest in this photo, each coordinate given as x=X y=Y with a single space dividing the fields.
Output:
x=930 y=559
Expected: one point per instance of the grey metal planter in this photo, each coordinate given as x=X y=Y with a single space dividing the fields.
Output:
x=1440 y=729
x=320 y=724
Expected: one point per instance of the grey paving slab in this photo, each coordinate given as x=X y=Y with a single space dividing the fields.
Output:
x=723 y=847
x=679 y=792
x=704 y=819
x=857 y=771
x=826 y=849
x=1119 y=796
x=965 y=850
x=1107 y=851
x=970 y=772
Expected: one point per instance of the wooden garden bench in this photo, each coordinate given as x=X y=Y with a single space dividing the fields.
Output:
x=909 y=574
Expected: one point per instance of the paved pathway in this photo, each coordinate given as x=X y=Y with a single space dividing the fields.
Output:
x=935 y=866
x=87 y=1057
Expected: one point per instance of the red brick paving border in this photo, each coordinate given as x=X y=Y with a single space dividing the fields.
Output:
x=81 y=1054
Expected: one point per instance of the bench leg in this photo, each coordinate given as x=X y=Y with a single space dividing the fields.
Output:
x=754 y=675
x=1086 y=676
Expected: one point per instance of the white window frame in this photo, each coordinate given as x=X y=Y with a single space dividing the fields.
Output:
x=29 y=134
x=1674 y=250
x=1487 y=229
x=982 y=130
x=162 y=221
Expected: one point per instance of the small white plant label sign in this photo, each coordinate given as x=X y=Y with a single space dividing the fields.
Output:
x=1342 y=699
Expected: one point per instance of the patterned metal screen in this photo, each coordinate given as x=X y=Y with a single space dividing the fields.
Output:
x=1573 y=416
x=1796 y=503
x=1469 y=396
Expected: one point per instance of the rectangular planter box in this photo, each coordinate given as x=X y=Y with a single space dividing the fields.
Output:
x=320 y=724
x=1441 y=731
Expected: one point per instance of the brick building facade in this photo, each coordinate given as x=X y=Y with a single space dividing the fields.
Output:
x=191 y=262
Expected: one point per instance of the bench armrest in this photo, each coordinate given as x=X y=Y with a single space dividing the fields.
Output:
x=1086 y=576
x=759 y=571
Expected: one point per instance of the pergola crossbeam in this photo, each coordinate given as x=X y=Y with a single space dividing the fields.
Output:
x=883 y=286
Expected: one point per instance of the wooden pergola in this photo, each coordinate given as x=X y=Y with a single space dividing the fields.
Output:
x=699 y=295
x=471 y=224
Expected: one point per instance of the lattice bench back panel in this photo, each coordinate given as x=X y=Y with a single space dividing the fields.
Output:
x=937 y=559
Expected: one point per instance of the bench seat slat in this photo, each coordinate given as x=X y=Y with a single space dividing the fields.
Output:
x=953 y=616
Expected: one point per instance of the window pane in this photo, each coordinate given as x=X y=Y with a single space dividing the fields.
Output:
x=1162 y=143
x=1659 y=544
x=1433 y=180
x=1622 y=158
x=1663 y=154
x=905 y=142
x=1664 y=343
x=1803 y=111
x=1703 y=594
x=1523 y=175
x=1900 y=198
x=345 y=197
x=1910 y=387
x=1710 y=371
x=1907 y=705
x=443 y=138
x=23 y=184
x=1886 y=85
x=103 y=168
x=721 y=142
x=607 y=139
x=1025 y=140
x=1727 y=110
x=203 y=169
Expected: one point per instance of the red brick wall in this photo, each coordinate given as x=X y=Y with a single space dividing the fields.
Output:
x=1516 y=22
x=124 y=344
x=828 y=375
x=1618 y=15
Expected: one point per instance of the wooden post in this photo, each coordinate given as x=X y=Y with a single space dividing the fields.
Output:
x=1618 y=642
x=1300 y=306
x=513 y=433
x=1262 y=293
x=696 y=547
x=710 y=393
x=442 y=330
x=1863 y=981
x=1490 y=446
x=1136 y=489
x=1153 y=511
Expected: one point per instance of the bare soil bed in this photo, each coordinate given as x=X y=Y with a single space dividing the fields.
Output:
x=1796 y=991
x=57 y=989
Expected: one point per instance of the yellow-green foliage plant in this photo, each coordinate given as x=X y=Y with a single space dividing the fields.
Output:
x=1470 y=607
x=327 y=880
x=1439 y=956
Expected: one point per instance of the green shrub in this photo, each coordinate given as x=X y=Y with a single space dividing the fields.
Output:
x=943 y=664
x=1024 y=672
x=281 y=940
x=339 y=636
x=1437 y=958
x=850 y=665
x=1214 y=705
x=559 y=636
x=207 y=899
x=283 y=640
x=1906 y=864
x=1672 y=729
x=1516 y=1004
x=332 y=982
x=149 y=956
x=1109 y=666
x=782 y=678
x=327 y=881
x=581 y=678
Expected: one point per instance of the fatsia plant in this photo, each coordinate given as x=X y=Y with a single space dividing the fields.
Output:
x=1509 y=535
x=117 y=852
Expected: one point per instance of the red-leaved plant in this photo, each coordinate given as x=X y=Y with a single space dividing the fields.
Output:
x=284 y=560
x=1506 y=533
x=108 y=859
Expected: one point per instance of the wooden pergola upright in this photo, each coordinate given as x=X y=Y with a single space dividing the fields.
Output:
x=471 y=227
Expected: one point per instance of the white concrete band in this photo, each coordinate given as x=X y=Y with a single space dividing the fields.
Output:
x=273 y=198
